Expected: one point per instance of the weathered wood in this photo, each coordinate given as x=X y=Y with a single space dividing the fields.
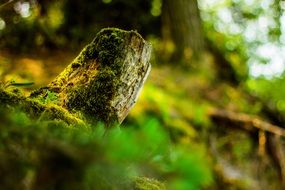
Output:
x=104 y=81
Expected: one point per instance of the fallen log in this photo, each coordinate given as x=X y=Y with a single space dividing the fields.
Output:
x=102 y=83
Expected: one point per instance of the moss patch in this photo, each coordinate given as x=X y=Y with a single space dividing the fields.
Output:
x=108 y=44
x=102 y=90
x=89 y=52
x=91 y=81
x=36 y=109
x=143 y=183
x=94 y=101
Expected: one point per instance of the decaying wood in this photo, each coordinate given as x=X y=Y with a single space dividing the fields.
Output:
x=104 y=81
x=245 y=121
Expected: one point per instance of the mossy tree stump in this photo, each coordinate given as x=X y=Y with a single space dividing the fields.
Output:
x=104 y=81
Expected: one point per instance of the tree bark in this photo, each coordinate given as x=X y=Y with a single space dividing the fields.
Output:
x=182 y=19
x=102 y=83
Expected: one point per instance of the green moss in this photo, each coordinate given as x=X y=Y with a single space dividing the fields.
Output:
x=106 y=47
x=88 y=53
x=109 y=45
x=54 y=112
x=93 y=98
x=143 y=183
x=94 y=102
x=47 y=97
x=35 y=109
x=8 y=97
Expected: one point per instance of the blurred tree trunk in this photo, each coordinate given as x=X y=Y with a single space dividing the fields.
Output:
x=182 y=24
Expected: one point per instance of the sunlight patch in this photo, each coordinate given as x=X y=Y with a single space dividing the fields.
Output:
x=23 y=8
x=2 y=24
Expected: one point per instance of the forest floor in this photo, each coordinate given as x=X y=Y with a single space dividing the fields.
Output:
x=182 y=101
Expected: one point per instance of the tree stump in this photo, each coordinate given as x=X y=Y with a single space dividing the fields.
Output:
x=104 y=80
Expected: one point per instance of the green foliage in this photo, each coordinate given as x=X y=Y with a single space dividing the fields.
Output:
x=184 y=117
x=72 y=157
x=49 y=98
x=248 y=33
x=156 y=7
x=231 y=46
x=242 y=147
x=269 y=90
